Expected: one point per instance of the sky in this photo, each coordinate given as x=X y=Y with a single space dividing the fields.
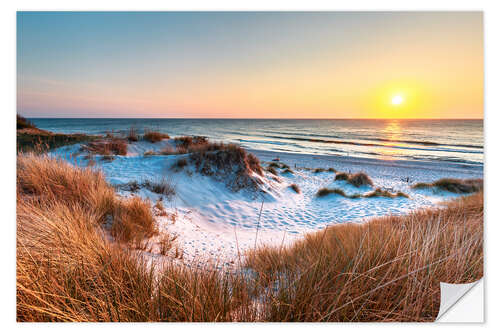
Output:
x=250 y=64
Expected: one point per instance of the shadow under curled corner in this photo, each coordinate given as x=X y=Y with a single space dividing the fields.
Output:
x=462 y=302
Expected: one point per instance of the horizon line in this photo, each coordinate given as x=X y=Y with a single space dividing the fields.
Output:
x=226 y=118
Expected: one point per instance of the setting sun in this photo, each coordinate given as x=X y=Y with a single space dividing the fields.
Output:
x=397 y=100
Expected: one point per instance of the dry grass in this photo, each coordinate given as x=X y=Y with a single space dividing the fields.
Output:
x=112 y=146
x=358 y=179
x=388 y=269
x=323 y=192
x=295 y=187
x=132 y=134
x=22 y=123
x=67 y=270
x=164 y=186
x=378 y=192
x=132 y=221
x=220 y=160
x=153 y=136
x=180 y=164
x=454 y=185
x=272 y=170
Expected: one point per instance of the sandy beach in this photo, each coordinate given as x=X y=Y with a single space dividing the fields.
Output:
x=212 y=222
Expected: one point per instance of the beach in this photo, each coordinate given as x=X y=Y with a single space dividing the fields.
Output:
x=212 y=222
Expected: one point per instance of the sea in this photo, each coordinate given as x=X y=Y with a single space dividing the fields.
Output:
x=455 y=141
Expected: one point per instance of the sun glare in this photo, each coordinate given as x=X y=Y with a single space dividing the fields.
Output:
x=397 y=100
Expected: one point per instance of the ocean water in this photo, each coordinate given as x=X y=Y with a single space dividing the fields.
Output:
x=458 y=141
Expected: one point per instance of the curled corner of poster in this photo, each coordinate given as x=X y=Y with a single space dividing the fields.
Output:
x=461 y=303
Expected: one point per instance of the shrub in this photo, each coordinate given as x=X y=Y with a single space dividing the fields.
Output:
x=454 y=185
x=295 y=187
x=357 y=179
x=331 y=170
x=190 y=142
x=163 y=186
x=360 y=179
x=341 y=176
x=220 y=160
x=23 y=123
x=132 y=134
x=378 y=192
x=153 y=136
x=133 y=220
x=180 y=164
x=106 y=147
x=108 y=158
x=272 y=170
x=326 y=191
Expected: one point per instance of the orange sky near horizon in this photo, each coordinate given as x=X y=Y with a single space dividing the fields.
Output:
x=347 y=65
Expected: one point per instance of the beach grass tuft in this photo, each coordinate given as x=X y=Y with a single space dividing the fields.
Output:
x=154 y=136
x=132 y=135
x=112 y=146
x=454 y=185
x=358 y=179
x=295 y=187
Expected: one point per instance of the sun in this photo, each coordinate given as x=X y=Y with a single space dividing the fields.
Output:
x=397 y=100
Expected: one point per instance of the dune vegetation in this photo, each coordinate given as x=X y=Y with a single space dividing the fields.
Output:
x=454 y=185
x=357 y=179
x=76 y=261
x=387 y=269
x=31 y=139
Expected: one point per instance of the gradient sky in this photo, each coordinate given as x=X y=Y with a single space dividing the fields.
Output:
x=250 y=65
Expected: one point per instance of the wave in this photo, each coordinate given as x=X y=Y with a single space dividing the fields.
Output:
x=366 y=144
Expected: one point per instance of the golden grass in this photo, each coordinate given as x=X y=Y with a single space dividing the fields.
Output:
x=387 y=269
x=454 y=185
x=357 y=179
x=132 y=134
x=112 y=146
x=153 y=136
x=68 y=269
x=295 y=187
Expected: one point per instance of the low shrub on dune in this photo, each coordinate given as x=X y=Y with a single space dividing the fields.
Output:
x=341 y=176
x=22 y=123
x=295 y=187
x=132 y=134
x=154 y=136
x=378 y=192
x=272 y=170
x=454 y=185
x=112 y=146
x=191 y=142
x=132 y=220
x=358 y=179
x=228 y=162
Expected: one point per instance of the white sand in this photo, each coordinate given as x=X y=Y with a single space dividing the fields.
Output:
x=215 y=223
